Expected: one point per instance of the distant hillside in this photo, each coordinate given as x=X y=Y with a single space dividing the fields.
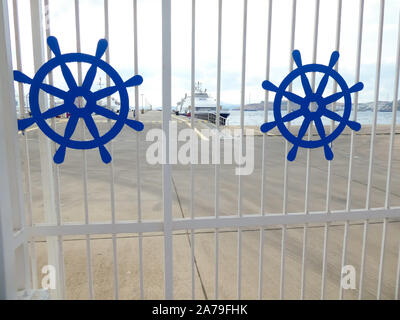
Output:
x=383 y=106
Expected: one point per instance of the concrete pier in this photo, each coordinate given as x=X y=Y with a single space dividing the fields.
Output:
x=72 y=208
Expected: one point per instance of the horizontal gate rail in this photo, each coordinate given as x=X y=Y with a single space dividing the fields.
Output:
x=246 y=221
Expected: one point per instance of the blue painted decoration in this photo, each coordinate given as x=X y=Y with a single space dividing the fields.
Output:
x=75 y=92
x=306 y=104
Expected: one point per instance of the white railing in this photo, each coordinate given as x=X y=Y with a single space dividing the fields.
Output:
x=13 y=212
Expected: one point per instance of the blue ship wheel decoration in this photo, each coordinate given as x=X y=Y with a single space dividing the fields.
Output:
x=306 y=103
x=75 y=92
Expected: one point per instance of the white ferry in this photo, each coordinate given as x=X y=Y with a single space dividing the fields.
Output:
x=205 y=106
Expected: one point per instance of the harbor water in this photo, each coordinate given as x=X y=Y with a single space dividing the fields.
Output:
x=255 y=118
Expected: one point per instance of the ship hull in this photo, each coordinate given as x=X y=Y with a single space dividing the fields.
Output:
x=212 y=117
x=205 y=116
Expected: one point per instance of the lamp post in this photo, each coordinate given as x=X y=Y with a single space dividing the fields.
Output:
x=24 y=110
x=142 y=103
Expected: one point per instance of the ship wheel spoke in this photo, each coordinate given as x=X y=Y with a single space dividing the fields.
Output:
x=320 y=127
x=53 y=91
x=269 y=86
x=335 y=117
x=23 y=78
x=91 y=74
x=101 y=111
x=322 y=86
x=55 y=48
x=69 y=78
x=51 y=113
x=332 y=115
x=302 y=132
x=266 y=127
x=337 y=96
x=56 y=111
x=304 y=79
x=91 y=125
x=135 y=125
x=293 y=115
x=321 y=131
x=333 y=98
x=294 y=97
x=306 y=84
x=71 y=126
x=304 y=128
x=106 y=92
x=59 y=157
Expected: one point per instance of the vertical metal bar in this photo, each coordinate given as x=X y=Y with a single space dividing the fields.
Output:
x=27 y=169
x=21 y=253
x=351 y=160
x=242 y=103
x=377 y=87
x=382 y=259
x=54 y=146
x=397 y=289
x=167 y=170
x=11 y=198
x=112 y=178
x=307 y=210
x=217 y=166
x=328 y=188
x=264 y=169
x=373 y=136
x=138 y=171
x=394 y=124
x=335 y=87
x=286 y=170
x=390 y=164
x=84 y=158
x=49 y=177
x=192 y=121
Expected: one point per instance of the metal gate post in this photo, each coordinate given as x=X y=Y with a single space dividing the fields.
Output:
x=167 y=176
x=13 y=257
x=46 y=160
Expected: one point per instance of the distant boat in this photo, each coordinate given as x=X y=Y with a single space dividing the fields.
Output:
x=205 y=106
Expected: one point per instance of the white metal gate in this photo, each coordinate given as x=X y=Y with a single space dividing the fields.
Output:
x=18 y=233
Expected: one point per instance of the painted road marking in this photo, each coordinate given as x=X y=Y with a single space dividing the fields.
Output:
x=202 y=136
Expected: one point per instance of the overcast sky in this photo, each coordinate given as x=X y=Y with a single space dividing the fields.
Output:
x=62 y=21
